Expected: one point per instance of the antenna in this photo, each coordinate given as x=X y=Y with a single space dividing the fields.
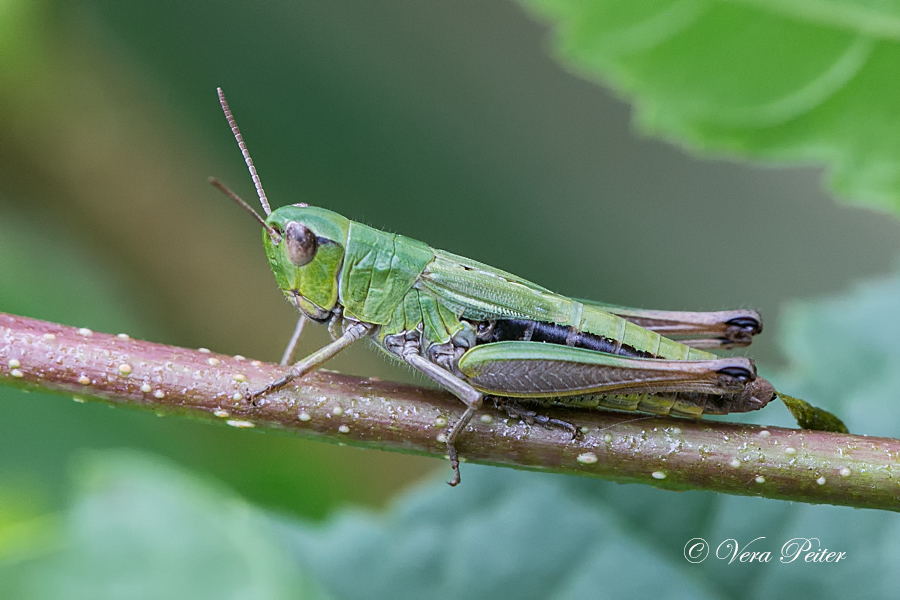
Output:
x=247 y=159
x=224 y=189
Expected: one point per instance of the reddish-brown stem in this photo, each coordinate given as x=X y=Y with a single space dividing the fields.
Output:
x=678 y=454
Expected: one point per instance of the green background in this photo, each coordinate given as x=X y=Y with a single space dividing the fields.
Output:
x=448 y=122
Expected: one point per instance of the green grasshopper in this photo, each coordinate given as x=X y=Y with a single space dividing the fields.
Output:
x=478 y=331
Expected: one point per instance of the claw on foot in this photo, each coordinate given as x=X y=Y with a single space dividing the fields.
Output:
x=276 y=385
x=454 y=464
x=252 y=397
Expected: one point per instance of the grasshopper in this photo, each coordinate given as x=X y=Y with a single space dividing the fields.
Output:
x=478 y=331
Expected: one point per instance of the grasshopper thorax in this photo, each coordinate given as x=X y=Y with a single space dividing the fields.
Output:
x=306 y=252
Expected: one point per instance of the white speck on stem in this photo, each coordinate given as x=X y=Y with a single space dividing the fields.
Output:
x=221 y=413
x=440 y=421
x=123 y=336
x=587 y=458
x=85 y=332
x=49 y=336
x=204 y=350
x=821 y=480
x=159 y=394
x=125 y=369
x=735 y=463
x=237 y=396
x=487 y=419
x=304 y=416
x=790 y=451
x=236 y=423
x=344 y=429
x=764 y=433
x=145 y=387
x=337 y=411
x=213 y=361
x=442 y=438
x=760 y=479
x=17 y=373
x=658 y=475
x=14 y=363
x=238 y=357
x=239 y=377
x=84 y=380
x=845 y=472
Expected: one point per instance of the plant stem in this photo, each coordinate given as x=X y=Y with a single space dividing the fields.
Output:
x=677 y=454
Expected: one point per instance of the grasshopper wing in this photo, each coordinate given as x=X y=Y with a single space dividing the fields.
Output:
x=534 y=370
x=718 y=329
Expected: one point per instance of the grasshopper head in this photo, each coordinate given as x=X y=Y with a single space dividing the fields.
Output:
x=305 y=247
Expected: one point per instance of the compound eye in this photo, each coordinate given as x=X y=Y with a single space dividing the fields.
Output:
x=301 y=243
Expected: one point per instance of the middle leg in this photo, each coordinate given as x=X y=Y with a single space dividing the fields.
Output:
x=407 y=347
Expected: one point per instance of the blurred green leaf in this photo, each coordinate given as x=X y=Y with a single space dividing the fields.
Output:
x=27 y=527
x=797 y=80
x=506 y=534
x=142 y=529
